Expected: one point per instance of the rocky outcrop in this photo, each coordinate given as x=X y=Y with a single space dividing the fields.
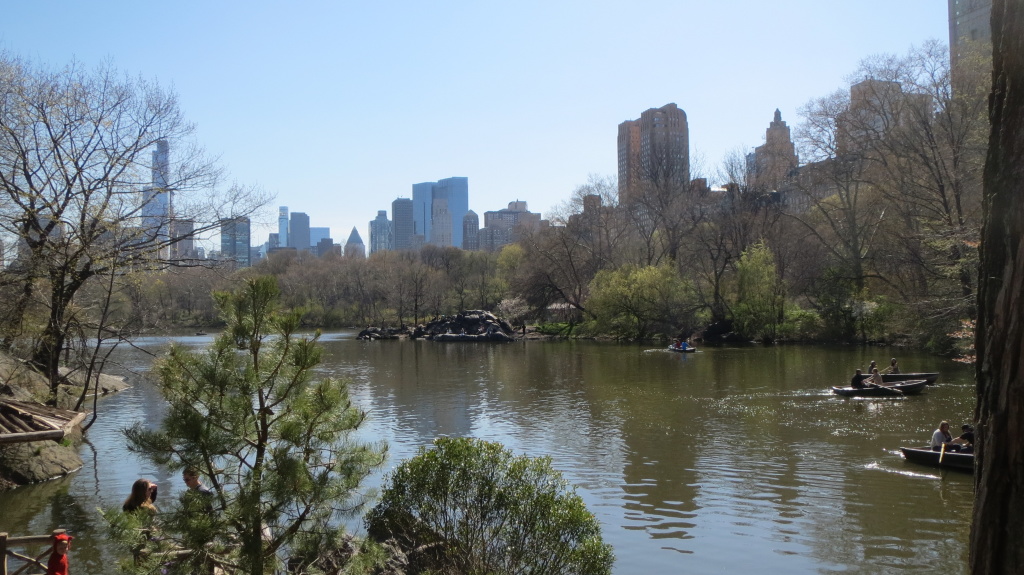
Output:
x=375 y=333
x=474 y=325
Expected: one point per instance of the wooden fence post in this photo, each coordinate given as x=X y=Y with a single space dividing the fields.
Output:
x=3 y=554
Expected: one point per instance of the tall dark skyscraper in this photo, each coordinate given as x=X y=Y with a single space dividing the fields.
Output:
x=422 y=200
x=403 y=224
x=470 y=231
x=234 y=241
x=298 y=231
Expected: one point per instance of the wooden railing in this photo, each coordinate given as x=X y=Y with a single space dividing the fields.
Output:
x=7 y=542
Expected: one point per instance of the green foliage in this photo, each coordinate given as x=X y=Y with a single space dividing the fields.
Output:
x=800 y=324
x=637 y=302
x=835 y=303
x=556 y=328
x=272 y=440
x=761 y=294
x=471 y=506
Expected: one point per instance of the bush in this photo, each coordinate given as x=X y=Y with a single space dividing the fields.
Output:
x=471 y=506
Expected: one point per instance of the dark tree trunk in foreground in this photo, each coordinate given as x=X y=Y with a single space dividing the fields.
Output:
x=997 y=536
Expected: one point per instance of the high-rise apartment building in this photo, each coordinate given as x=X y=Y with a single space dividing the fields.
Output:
x=772 y=162
x=440 y=223
x=654 y=151
x=298 y=231
x=969 y=23
x=470 y=231
x=282 y=227
x=403 y=224
x=380 y=232
x=234 y=241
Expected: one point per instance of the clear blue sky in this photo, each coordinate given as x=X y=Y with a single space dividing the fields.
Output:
x=337 y=108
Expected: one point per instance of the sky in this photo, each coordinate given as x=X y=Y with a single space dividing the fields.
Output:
x=337 y=108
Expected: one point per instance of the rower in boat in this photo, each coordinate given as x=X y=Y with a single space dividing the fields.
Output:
x=942 y=440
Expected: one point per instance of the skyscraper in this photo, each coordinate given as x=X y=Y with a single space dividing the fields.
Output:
x=450 y=196
x=470 y=231
x=380 y=232
x=773 y=161
x=422 y=198
x=969 y=23
x=298 y=231
x=282 y=227
x=456 y=193
x=156 y=209
x=403 y=224
x=234 y=241
x=354 y=247
x=654 y=150
x=317 y=234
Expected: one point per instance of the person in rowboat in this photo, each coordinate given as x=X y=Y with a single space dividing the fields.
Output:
x=893 y=367
x=941 y=437
x=966 y=439
x=857 y=381
x=876 y=378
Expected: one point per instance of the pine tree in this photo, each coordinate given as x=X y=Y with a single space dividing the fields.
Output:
x=273 y=440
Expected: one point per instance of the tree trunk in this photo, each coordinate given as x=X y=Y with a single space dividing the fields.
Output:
x=997 y=534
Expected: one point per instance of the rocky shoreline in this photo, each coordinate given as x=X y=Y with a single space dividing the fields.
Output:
x=37 y=461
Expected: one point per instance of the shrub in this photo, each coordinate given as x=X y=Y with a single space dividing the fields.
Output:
x=471 y=506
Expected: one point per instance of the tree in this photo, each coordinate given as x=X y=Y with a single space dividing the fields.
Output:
x=998 y=527
x=80 y=200
x=273 y=441
x=760 y=294
x=637 y=302
x=471 y=506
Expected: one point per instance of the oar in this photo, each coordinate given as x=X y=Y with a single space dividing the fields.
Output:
x=942 y=453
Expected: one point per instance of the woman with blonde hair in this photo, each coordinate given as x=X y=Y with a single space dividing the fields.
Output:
x=142 y=497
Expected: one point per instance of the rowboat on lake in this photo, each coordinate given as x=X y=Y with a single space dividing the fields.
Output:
x=912 y=387
x=950 y=459
x=682 y=349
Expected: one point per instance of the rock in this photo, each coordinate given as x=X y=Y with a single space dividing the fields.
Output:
x=474 y=325
x=37 y=461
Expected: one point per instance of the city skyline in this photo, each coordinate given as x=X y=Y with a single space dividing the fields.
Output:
x=529 y=95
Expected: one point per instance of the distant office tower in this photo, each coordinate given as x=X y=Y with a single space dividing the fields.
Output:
x=403 y=224
x=326 y=246
x=282 y=227
x=773 y=161
x=969 y=23
x=317 y=234
x=354 y=247
x=455 y=191
x=427 y=197
x=234 y=241
x=380 y=232
x=156 y=209
x=440 y=223
x=183 y=244
x=654 y=151
x=273 y=241
x=470 y=231
x=422 y=198
x=298 y=231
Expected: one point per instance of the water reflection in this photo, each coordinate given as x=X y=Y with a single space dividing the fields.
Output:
x=726 y=460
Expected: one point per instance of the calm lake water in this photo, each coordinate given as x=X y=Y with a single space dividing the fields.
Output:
x=725 y=461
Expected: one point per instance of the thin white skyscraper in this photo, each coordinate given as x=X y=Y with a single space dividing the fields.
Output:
x=157 y=199
x=282 y=227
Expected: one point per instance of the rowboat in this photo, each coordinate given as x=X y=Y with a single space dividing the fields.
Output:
x=682 y=349
x=895 y=390
x=950 y=459
x=931 y=378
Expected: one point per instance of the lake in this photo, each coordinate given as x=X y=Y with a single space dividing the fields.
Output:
x=732 y=459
